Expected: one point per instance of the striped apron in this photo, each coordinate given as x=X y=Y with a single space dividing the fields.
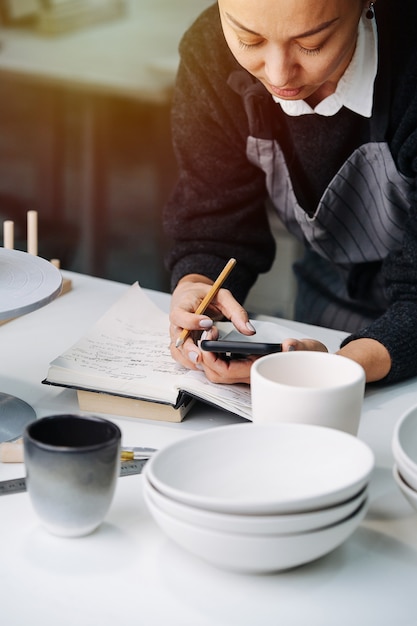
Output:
x=360 y=218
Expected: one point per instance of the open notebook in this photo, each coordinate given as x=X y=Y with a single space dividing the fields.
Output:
x=125 y=357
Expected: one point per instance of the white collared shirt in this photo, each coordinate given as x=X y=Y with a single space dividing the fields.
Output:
x=355 y=89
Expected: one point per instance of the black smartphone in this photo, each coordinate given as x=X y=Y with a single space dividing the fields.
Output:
x=239 y=349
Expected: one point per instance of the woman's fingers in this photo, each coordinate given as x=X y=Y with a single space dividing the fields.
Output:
x=223 y=305
x=185 y=301
x=303 y=344
x=235 y=312
x=219 y=370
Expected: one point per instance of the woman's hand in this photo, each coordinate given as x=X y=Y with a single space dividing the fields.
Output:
x=188 y=294
x=186 y=297
x=372 y=355
x=219 y=370
x=191 y=290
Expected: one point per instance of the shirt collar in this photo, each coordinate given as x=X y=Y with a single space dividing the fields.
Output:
x=355 y=89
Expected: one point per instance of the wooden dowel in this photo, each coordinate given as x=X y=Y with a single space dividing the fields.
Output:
x=32 y=232
x=8 y=234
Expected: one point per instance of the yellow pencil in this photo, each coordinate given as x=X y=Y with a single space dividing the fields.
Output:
x=209 y=298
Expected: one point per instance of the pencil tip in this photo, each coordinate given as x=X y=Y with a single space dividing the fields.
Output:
x=179 y=343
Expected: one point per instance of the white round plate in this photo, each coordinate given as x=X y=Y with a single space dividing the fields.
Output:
x=262 y=468
x=27 y=282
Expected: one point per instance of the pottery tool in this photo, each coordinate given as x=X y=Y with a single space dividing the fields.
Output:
x=32 y=246
x=12 y=452
x=135 y=454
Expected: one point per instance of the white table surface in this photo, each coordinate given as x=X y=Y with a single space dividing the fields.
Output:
x=129 y=572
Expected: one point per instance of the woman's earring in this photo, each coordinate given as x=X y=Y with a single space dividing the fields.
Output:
x=370 y=12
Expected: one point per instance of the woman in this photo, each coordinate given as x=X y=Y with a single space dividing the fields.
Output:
x=312 y=104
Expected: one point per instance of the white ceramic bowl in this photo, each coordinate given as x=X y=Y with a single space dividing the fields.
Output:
x=254 y=524
x=255 y=554
x=404 y=444
x=409 y=493
x=406 y=471
x=262 y=468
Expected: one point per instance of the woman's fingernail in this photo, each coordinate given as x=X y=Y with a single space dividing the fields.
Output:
x=193 y=356
x=291 y=348
x=204 y=335
x=250 y=327
x=206 y=323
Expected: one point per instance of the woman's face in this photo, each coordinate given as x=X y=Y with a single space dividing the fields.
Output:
x=298 y=49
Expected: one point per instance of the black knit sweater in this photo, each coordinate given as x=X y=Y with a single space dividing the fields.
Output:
x=217 y=210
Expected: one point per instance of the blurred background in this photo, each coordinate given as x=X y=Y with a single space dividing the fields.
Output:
x=85 y=94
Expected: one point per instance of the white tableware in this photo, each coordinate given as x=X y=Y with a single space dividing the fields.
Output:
x=308 y=387
x=254 y=524
x=406 y=472
x=408 y=492
x=27 y=282
x=256 y=554
x=262 y=468
x=404 y=445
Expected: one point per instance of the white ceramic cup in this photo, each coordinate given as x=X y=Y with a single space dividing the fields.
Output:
x=308 y=387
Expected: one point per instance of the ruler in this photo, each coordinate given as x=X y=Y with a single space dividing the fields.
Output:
x=17 y=485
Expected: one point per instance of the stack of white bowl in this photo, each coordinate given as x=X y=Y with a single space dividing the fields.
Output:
x=260 y=497
x=404 y=448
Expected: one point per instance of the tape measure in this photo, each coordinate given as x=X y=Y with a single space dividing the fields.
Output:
x=17 y=485
x=12 y=486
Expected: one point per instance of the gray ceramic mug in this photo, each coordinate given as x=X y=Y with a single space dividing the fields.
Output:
x=72 y=464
